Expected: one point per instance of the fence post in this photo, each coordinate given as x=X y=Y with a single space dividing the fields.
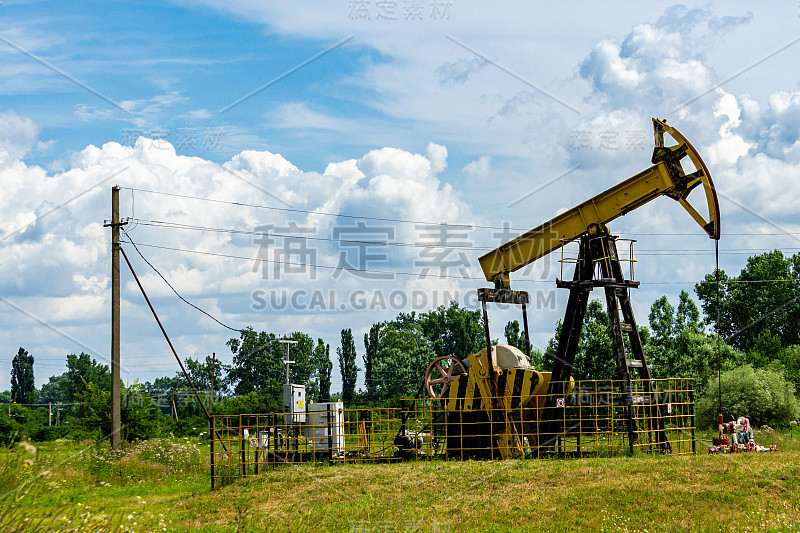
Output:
x=213 y=434
x=691 y=416
x=243 y=453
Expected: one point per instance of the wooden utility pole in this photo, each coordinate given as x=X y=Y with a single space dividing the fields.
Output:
x=115 y=329
x=211 y=396
x=211 y=391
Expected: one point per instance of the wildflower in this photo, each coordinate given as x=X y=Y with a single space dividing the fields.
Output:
x=28 y=447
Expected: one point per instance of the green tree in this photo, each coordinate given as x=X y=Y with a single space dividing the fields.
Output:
x=764 y=298
x=404 y=353
x=166 y=384
x=678 y=346
x=452 y=330
x=687 y=316
x=322 y=356
x=791 y=364
x=258 y=361
x=763 y=395
x=371 y=342
x=662 y=353
x=594 y=357
x=23 y=387
x=138 y=413
x=703 y=356
x=253 y=402
x=513 y=335
x=81 y=370
x=200 y=373
x=662 y=324
x=52 y=391
x=764 y=349
x=304 y=369
x=347 y=365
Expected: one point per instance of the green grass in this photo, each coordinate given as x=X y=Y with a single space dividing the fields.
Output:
x=164 y=486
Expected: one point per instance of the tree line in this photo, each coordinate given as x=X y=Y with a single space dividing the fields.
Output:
x=754 y=316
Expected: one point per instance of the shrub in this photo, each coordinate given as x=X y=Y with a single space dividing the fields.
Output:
x=50 y=433
x=10 y=431
x=149 y=461
x=763 y=395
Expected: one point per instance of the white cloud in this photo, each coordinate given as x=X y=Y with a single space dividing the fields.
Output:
x=198 y=114
x=730 y=146
x=17 y=136
x=298 y=115
x=411 y=79
x=480 y=170
x=69 y=246
x=437 y=155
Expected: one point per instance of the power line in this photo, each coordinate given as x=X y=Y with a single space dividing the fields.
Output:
x=41 y=404
x=400 y=273
x=321 y=213
x=178 y=225
x=314 y=265
x=173 y=288
x=454 y=246
x=408 y=221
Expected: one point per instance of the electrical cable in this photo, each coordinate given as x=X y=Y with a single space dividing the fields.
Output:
x=133 y=212
x=173 y=288
x=455 y=246
x=178 y=225
x=719 y=334
x=322 y=213
x=329 y=267
x=408 y=221
x=401 y=273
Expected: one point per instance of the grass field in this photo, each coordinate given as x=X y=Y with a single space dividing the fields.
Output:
x=163 y=486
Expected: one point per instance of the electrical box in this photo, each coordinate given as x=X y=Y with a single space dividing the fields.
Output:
x=325 y=427
x=294 y=403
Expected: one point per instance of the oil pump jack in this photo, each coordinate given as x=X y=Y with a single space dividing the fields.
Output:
x=493 y=384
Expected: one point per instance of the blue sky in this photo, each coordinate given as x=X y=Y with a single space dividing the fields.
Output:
x=437 y=116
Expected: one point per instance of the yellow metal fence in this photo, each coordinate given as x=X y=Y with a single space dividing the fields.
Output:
x=593 y=420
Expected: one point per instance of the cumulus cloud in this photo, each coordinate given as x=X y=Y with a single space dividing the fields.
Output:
x=479 y=170
x=652 y=65
x=17 y=136
x=660 y=68
x=254 y=189
x=775 y=125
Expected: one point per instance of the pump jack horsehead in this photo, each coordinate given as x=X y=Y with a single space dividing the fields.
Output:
x=494 y=403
